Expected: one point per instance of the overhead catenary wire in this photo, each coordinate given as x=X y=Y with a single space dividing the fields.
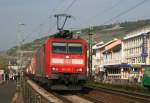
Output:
x=39 y=26
x=115 y=17
x=52 y=12
x=111 y=19
x=53 y=24
x=68 y=7
x=106 y=10
x=71 y=4
x=124 y=12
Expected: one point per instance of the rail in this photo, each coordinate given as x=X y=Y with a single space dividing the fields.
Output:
x=136 y=96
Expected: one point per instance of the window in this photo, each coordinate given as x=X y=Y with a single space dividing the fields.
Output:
x=74 y=48
x=71 y=48
x=59 y=47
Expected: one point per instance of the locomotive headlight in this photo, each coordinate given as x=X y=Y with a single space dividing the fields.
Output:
x=54 y=69
x=79 y=69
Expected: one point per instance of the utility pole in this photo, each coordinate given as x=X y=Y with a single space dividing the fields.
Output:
x=90 y=41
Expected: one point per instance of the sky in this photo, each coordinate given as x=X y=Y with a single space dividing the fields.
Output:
x=31 y=19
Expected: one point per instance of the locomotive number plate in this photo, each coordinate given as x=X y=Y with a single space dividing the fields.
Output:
x=67 y=61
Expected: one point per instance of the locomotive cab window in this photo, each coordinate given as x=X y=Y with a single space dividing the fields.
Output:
x=59 y=47
x=74 y=48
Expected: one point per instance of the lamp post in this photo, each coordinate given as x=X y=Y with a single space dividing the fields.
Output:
x=20 y=25
x=90 y=41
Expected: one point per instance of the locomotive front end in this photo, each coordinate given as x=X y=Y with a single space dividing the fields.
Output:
x=68 y=61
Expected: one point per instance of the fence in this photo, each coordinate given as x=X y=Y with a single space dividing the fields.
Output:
x=32 y=93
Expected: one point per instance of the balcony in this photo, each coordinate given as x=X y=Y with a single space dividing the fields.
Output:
x=112 y=62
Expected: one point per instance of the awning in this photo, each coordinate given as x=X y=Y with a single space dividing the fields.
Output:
x=145 y=65
x=123 y=65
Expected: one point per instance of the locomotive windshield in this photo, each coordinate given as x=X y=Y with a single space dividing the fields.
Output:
x=59 y=47
x=74 y=48
x=70 y=48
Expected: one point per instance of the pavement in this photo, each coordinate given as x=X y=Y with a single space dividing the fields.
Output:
x=7 y=91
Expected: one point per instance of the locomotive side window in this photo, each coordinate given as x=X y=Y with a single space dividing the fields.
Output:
x=74 y=48
x=59 y=47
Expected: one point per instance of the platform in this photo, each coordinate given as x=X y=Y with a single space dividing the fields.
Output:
x=7 y=91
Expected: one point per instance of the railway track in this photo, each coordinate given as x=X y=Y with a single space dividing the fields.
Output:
x=93 y=99
x=45 y=94
x=97 y=97
x=61 y=97
x=140 y=98
x=74 y=96
x=77 y=97
x=88 y=95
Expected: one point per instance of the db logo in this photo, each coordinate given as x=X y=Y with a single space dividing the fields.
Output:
x=67 y=61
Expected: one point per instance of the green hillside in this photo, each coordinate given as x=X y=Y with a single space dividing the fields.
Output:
x=101 y=33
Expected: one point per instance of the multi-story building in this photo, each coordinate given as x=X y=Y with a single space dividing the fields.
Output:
x=116 y=70
x=113 y=59
x=99 y=49
x=123 y=60
x=135 y=47
x=97 y=56
x=99 y=60
x=113 y=53
x=136 y=52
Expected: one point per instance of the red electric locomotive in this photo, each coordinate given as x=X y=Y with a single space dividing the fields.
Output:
x=61 y=62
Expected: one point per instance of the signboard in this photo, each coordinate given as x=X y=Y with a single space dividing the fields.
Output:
x=136 y=65
x=144 y=48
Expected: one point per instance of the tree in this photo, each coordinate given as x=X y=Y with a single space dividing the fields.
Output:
x=3 y=63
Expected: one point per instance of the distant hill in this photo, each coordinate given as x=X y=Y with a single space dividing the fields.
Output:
x=101 y=33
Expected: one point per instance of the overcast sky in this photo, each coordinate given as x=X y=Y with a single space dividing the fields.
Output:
x=36 y=15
